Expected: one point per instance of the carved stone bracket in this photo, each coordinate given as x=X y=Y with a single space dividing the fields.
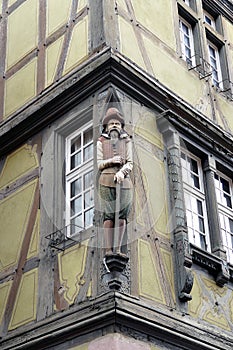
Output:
x=183 y=263
x=115 y=265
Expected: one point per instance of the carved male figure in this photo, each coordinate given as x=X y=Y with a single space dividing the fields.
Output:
x=114 y=158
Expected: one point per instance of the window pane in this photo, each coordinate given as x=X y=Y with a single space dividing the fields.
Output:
x=195 y=181
x=231 y=225
x=88 y=199
x=75 y=160
x=76 y=187
x=76 y=225
x=187 y=52
x=225 y=185
x=208 y=20
x=199 y=208
x=88 y=136
x=227 y=200
x=88 y=180
x=76 y=205
x=76 y=144
x=89 y=217
x=194 y=166
x=201 y=225
x=88 y=152
x=203 y=242
x=186 y=41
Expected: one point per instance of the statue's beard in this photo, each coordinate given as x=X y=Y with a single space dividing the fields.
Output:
x=114 y=133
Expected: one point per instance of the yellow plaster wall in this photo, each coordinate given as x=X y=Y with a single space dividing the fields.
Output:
x=149 y=283
x=53 y=53
x=122 y=4
x=224 y=110
x=23 y=42
x=176 y=77
x=71 y=269
x=157 y=19
x=14 y=212
x=4 y=292
x=147 y=128
x=57 y=14
x=18 y=163
x=155 y=190
x=229 y=34
x=11 y=2
x=81 y=4
x=78 y=45
x=22 y=31
x=20 y=88
x=197 y=301
x=34 y=243
x=168 y=263
x=26 y=301
x=211 y=303
x=127 y=35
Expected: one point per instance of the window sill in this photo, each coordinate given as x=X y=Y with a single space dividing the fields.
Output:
x=220 y=269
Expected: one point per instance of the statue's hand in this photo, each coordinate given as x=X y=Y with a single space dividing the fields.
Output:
x=119 y=177
x=118 y=160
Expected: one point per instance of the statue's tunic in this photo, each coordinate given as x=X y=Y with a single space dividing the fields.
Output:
x=107 y=149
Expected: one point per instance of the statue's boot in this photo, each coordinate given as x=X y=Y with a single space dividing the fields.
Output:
x=122 y=226
x=108 y=236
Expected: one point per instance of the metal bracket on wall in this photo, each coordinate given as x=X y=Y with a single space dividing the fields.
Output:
x=200 y=65
x=61 y=239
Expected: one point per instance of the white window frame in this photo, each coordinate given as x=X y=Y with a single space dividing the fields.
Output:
x=72 y=175
x=215 y=65
x=225 y=214
x=191 y=194
x=189 y=59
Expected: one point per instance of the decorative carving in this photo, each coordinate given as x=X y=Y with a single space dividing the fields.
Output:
x=183 y=263
x=115 y=264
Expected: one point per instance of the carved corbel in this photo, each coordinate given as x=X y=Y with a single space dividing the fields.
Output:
x=115 y=264
x=183 y=264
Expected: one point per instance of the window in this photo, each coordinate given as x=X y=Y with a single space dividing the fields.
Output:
x=195 y=201
x=224 y=192
x=199 y=194
x=204 y=51
x=187 y=2
x=79 y=180
x=209 y=19
x=214 y=60
x=187 y=43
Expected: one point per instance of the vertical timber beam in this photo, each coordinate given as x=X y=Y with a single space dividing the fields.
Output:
x=97 y=37
x=46 y=267
x=110 y=23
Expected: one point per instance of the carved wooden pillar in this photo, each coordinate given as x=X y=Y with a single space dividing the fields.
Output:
x=179 y=227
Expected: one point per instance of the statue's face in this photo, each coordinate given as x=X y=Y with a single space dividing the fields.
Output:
x=114 y=124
